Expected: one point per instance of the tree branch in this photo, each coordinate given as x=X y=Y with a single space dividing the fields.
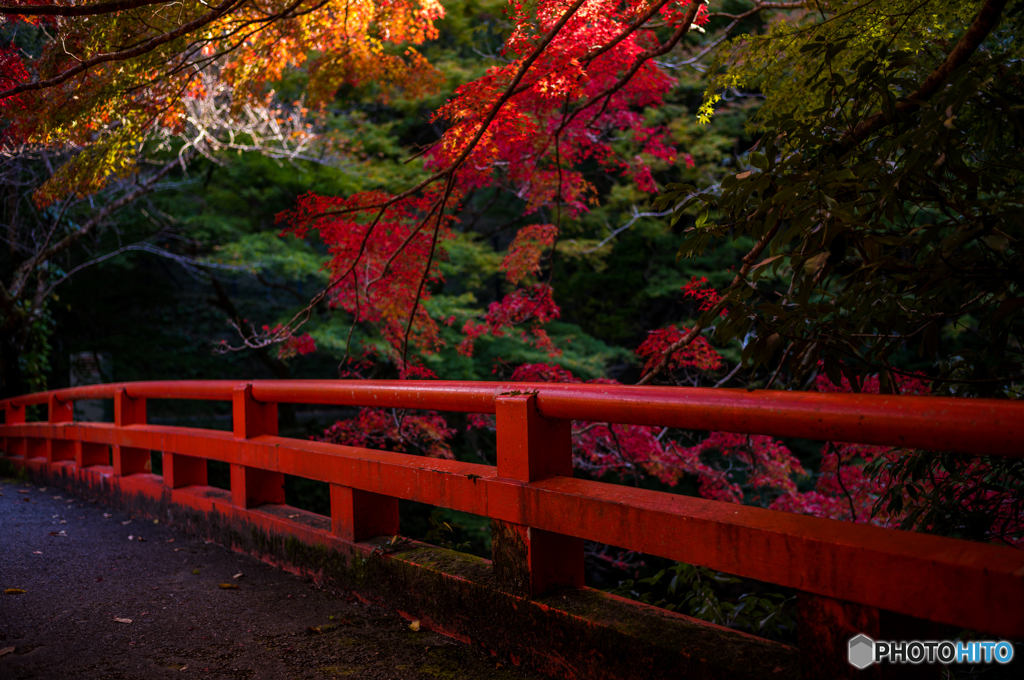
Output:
x=982 y=25
x=77 y=10
x=148 y=46
x=25 y=270
x=749 y=260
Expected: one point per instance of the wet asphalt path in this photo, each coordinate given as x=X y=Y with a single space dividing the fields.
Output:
x=83 y=567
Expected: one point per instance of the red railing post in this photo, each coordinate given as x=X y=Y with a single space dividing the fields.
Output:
x=15 y=446
x=357 y=515
x=59 y=412
x=826 y=626
x=528 y=561
x=252 y=486
x=91 y=453
x=181 y=471
x=127 y=411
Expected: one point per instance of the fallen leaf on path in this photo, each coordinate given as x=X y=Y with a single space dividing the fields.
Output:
x=37 y=552
x=14 y=591
x=228 y=586
x=196 y=571
x=57 y=498
x=183 y=668
x=63 y=521
x=6 y=650
x=22 y=490
x=107 y=514
x=131 y=538
x=122 y=620
x=238 y=575
x=127 y=521
x=415 y=625
x=169 y=540
x=315 y=629
x=292 y=516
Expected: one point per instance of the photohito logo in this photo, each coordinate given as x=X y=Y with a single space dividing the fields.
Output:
x=864 y=651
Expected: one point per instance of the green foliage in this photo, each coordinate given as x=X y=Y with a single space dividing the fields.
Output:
x=880 y=246
x=34 y=358
x=779 y=60
x=699 y=592
x=441 y=531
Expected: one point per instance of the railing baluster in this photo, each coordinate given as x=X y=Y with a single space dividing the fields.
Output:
x=826 y=626
x=91 y=453
x=357 y=515
x=127 y=411
x=251 y=486
x=527 y=561
x=59 y=412
x=181 y=471
x=15 y=446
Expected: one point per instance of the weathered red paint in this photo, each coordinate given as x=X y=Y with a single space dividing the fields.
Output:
x=181 y=471
x=534 y=499
x=530 y=561
x=357 y=515
x=129 y=460
x=253 y=485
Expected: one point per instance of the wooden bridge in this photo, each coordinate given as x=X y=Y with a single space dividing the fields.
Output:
x=531 y=602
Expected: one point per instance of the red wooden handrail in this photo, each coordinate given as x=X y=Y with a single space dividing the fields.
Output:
x=532 y=494
x=973 y=426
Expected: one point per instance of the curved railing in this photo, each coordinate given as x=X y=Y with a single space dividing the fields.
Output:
x=532 y=491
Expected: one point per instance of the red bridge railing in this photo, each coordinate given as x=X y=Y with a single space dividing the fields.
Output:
x=532 y=493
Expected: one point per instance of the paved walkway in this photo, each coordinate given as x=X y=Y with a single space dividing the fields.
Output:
x=111 y=596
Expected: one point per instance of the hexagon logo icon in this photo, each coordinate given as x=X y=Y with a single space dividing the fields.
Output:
x=862 y=651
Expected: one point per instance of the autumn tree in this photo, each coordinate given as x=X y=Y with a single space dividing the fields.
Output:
x=102 y=101
x=879 y=208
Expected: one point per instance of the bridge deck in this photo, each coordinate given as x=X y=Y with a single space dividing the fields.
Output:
x=183 y=624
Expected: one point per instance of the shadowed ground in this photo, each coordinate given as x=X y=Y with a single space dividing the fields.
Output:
x=83 y=566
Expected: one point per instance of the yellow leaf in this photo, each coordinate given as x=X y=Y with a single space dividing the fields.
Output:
x=14 y=591
x=415 y=625
x=228 y=586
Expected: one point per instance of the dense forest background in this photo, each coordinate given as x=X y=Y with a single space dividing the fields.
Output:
x=661 y=268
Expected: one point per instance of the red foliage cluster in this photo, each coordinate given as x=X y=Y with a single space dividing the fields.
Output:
x=378 y=264
x=12 y=72
x=533 y=305
x=548 y=373
x=292 y=345
x=699 y=354
x=724 y=458
x=706 y=298
x=845 y=490
x=533 y=140
x=727 y=466
x=523 y=257
x=424 y=432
